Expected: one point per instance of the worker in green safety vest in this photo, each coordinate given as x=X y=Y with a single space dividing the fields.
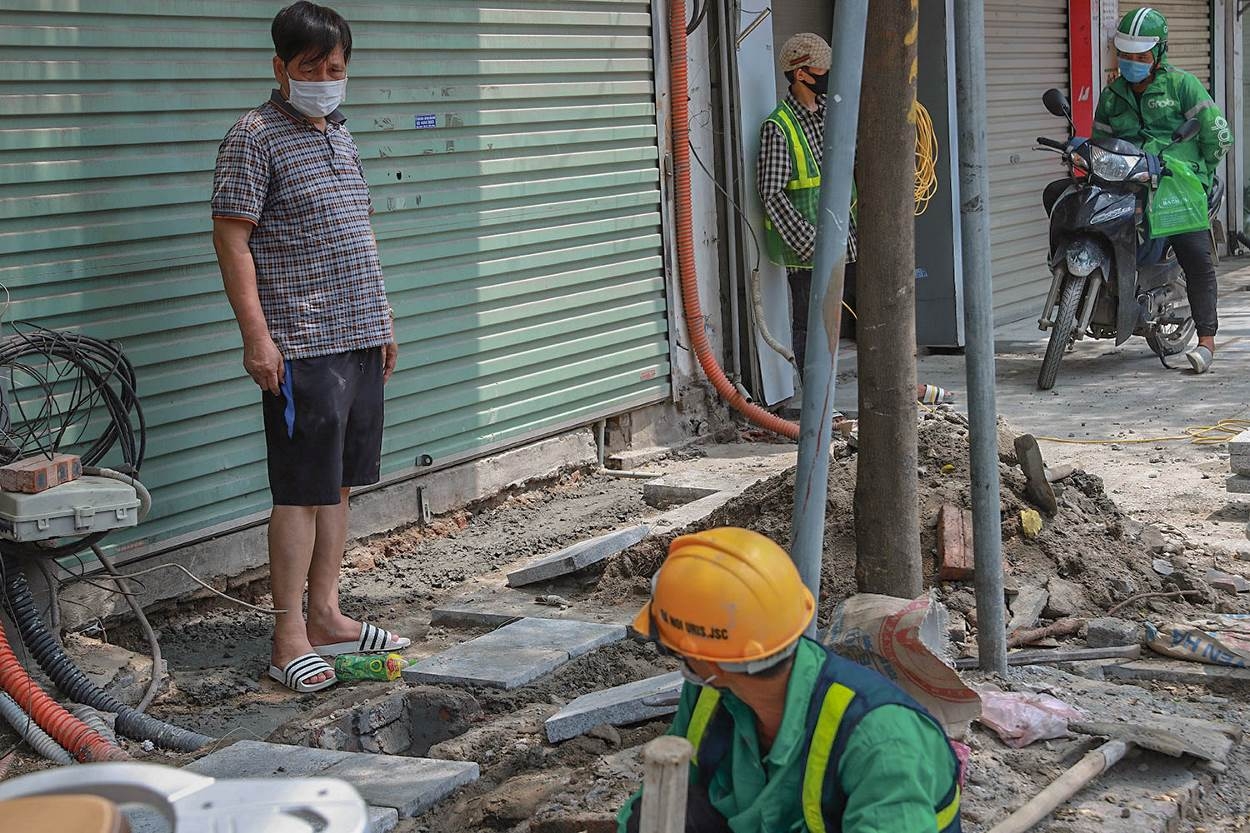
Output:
x=788 y=178
x=1147 y=102
x=788 y=736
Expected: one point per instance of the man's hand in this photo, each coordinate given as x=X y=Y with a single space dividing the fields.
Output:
x=263 y=362
x=390 y=354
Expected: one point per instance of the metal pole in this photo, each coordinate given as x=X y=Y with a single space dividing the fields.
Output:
x=824 y=315
x=729 y=156
x=974 y=185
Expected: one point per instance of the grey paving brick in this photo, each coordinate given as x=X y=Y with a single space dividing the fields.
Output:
x=383 y=819
x=1238 y=484
x=515 y=654
x=407 y=785
x=619 y=706
x=578 y=557
x=256 y=759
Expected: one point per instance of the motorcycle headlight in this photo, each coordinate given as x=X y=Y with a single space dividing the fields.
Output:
x=1111 y=167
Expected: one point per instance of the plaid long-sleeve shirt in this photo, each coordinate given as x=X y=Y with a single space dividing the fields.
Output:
x=774 y=171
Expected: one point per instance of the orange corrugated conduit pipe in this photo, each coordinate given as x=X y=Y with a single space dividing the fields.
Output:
x=679 y=94
x=76 y=737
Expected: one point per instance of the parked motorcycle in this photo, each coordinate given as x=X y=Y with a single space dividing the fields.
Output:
x=1110 y=279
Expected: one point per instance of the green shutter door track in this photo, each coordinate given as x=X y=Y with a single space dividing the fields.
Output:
x=512 y=155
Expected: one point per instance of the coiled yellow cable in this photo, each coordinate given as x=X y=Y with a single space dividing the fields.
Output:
x=926 y=158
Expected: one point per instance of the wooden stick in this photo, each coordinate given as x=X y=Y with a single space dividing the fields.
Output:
x=1064 y=787
x=1064 y=627
x=1142 y=596
x=666 y=763
x=1044 y=656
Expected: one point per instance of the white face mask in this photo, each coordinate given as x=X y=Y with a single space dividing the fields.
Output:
x=689 y=676
x=317 y=99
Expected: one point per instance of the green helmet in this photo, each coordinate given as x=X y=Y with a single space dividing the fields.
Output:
x=1143 y=30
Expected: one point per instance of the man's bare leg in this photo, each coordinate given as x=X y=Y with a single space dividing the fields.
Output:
x=326 y=622
x=292 y=532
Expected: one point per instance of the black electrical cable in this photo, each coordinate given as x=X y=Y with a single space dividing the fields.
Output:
x=696 y=17
x=97 y=375
x=77 y=686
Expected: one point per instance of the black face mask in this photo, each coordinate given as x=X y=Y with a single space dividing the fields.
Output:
x=819 y=84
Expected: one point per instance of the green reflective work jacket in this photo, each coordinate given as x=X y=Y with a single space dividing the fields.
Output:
x=1172 y=98
x=854 y=754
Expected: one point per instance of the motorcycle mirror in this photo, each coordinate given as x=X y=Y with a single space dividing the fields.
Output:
x=1186 y=131
x=1056 y=103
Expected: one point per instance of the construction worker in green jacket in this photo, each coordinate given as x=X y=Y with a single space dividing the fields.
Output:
x=788 y=736
x=1145 y=105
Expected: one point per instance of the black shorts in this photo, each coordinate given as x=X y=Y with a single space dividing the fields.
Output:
x=324 y=431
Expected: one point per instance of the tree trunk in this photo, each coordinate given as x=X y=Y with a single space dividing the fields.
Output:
x=887 y=523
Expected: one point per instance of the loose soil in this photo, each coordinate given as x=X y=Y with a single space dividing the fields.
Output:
x=218 y=655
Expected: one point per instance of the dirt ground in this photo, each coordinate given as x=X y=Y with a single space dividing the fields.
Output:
x=217 y=654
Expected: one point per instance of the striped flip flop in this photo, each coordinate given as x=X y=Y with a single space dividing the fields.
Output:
x=373 y=640
x=296 y=673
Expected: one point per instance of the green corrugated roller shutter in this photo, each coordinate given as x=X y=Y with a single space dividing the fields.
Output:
x=520 y=233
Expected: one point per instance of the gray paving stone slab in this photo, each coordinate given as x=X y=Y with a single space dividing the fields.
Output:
x=407 y=785
x=619 y=706
x=515 y=654
x=1238 y=484
x=676 y=490
x=494 y=607
x=578 y=557
x=383 y=819
x=257 y=759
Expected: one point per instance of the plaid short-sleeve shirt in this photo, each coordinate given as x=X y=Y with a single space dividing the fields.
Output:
x=317 y=268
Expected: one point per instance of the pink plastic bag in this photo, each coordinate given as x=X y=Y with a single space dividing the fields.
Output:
x=1020 y=719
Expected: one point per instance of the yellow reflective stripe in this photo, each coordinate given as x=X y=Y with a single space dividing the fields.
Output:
x=704 y=708
x=948 y=813
x=803 y=184
x=803 y=153
x=837 y=698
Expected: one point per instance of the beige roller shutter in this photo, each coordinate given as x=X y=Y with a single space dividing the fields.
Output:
x=1026 y=54
x=1189 y=34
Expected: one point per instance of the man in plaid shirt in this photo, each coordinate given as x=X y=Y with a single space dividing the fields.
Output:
x=791 y=147
x=291 y=226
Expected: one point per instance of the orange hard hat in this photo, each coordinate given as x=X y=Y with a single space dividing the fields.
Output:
x=729 y=596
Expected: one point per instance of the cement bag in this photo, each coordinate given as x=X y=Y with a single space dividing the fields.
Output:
x=1179 y=204
x=1215 y=639
x=907 y=642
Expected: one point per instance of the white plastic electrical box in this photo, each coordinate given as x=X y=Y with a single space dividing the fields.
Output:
x=71 y=510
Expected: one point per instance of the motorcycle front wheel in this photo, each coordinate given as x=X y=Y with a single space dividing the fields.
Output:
x=1062 y=332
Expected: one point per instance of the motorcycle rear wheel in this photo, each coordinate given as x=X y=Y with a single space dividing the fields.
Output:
x=1172 y=340
x=1062 y=332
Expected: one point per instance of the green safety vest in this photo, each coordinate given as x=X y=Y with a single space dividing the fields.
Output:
x=843 y=694
x=803 y=189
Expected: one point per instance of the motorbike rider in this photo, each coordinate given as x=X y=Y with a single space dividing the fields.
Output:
x=1144 y=105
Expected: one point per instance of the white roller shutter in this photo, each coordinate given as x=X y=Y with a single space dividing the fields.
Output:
x=1189 y=34
x=1026 y=54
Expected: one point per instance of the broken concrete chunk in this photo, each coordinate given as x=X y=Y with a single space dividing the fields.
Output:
x=619 y=706
x=1123 y=585
x=1242 y=552
x=1027 y=608
x=1227 y=582
x=1109 y=632
x=1163 y=567
x=1152 y=539
x=578 y=557
x=1066 y=598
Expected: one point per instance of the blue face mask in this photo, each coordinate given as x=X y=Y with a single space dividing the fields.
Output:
x=1134 y=72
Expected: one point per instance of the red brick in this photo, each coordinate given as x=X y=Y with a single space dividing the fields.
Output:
x=38 y=473
x=955 y=543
